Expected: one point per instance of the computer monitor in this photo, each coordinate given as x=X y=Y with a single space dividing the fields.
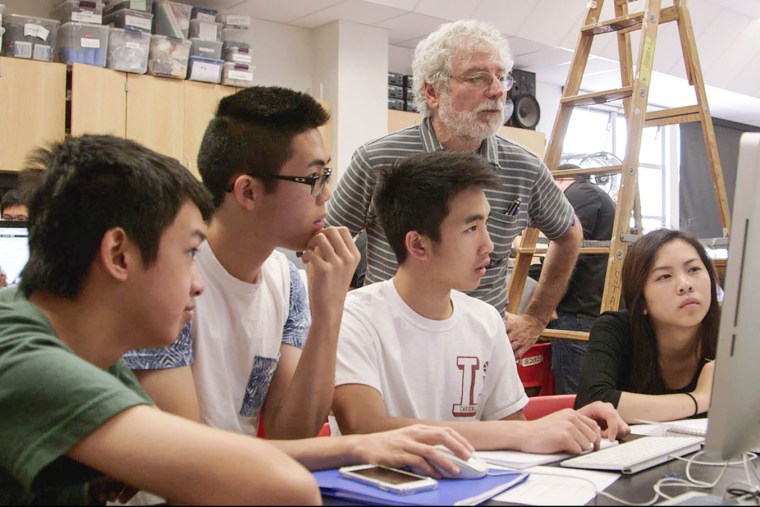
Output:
x=734 y=418
x=14 y=248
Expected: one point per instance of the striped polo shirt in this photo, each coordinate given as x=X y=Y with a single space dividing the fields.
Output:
x=522 y=175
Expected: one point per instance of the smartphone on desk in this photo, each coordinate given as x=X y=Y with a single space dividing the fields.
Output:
x=392 y=480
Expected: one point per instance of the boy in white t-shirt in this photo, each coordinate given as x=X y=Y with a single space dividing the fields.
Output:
x=260 y=350
x=416 y=349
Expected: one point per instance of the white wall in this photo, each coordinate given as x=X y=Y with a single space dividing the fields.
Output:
x=351 y=66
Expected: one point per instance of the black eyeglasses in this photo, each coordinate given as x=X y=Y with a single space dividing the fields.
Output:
x=316 y=181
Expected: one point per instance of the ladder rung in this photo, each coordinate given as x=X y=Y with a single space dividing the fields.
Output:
x=672 y=116
x=562 y=333
x=627 y=23
x=598 y=97
x=584 y=250
x=589 y=171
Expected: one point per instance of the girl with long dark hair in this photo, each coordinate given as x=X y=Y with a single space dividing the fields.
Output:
x=653 y=360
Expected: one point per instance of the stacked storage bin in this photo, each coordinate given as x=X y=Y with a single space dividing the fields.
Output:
x=238 y=66
x=169 y=47
x=131 y=23
x=81 y=38
x=206 y=62
x=29 y=37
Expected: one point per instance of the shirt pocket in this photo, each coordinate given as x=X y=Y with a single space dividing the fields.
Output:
x=258 y=385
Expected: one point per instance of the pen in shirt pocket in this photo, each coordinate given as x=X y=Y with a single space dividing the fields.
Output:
x=513 y=208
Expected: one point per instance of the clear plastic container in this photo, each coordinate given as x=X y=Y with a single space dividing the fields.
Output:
x=208 y=70
x=80 y=11
x=237 y=54
x=135 y=5
x=204 y=14
x=206 y=48
x=235 y=36
x=128 y=50
x=128 y=18
x=83 y=43
x=172 y=19
x=168 y=56
x=29 y=37
x=2 y=10
x=204 y=30
x=237 y=21
x=238 y=74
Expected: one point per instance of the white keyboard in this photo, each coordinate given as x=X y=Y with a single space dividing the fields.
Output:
x=636 y=455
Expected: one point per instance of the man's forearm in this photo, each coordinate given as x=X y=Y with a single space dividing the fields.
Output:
x=555 y=274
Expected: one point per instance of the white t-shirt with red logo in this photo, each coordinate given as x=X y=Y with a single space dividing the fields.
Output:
x=458 y=369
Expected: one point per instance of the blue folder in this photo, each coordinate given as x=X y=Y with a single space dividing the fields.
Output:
x=449 y=491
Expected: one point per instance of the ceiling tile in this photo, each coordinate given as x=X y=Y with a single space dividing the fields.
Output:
x=410 y=26
x=282 y=12
x=507 y=15
x=564 y=20
x=357 y=11
x=451 y=11
x=724 y=72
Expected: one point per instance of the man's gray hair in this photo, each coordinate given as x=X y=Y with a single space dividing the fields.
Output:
x=433 y=55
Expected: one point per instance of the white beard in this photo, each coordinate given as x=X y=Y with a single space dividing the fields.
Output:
x=467 y=123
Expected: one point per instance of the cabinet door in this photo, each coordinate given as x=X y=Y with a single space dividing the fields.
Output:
x=32 y=108
x=98 y=101
x=156 y=113
x=201 y=101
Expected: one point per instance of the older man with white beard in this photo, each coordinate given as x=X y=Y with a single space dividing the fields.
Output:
x=461 y=77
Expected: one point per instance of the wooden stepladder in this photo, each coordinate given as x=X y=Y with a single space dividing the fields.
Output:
x=634 y=93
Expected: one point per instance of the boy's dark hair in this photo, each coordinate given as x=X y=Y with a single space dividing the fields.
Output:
x=414 y=195
x=252 y=134
x=89 y=185
x=12 y=197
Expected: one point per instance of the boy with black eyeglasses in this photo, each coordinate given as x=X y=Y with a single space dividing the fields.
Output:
x=259 y=352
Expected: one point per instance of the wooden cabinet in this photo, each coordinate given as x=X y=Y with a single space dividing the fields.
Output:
x=167 y=115
x=98 y=101
x=32 y=108
x=535 y=141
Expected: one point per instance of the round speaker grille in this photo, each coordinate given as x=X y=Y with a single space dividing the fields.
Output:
x=527 y=113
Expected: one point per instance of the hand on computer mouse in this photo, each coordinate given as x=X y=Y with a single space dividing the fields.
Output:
x=473 y=468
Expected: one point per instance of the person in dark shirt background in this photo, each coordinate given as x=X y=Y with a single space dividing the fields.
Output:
x=580 y=306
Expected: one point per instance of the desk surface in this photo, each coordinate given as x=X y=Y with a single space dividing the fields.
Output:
x=638 y=488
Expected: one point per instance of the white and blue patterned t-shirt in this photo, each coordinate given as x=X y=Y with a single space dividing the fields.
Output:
x=235 y=339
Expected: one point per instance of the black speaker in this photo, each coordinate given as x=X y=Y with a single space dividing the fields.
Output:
x=526 y=111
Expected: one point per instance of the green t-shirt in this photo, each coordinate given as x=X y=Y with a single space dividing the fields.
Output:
x=50 y=399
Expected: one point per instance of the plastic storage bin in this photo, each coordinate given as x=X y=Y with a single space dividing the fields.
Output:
x=204 y=30
x=237 y=54
x=237 y=74
x=208 y=70
x=29 y=37
x=128 y=50
x=135 y=5
x=204 y=14
x=235 y=37
x=235 y=21
x=168 y=57
x=172 y=19
x=83 y=43
x=79 y=11
x=132 y=19
x=206 y=48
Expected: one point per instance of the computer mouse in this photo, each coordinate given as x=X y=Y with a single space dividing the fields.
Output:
x=473 y=468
